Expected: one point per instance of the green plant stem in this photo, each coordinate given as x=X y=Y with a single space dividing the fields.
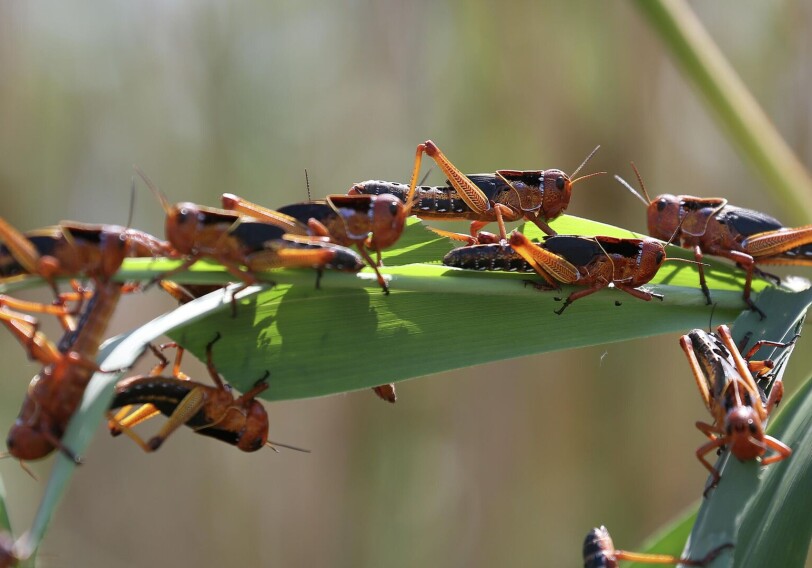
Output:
x=750 y=130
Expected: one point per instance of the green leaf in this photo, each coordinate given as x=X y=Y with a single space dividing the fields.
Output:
x=345 y=337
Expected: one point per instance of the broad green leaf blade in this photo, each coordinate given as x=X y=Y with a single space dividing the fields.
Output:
x=780 y=510
x=319 y=342
x=118 y=353
x=348 y=335
x=765 y=510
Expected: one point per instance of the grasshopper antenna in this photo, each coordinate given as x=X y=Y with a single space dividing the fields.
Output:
x=647 y=200
x=273 y=446
x=425 y=177
x=678 y=259
x=578 y=169
x=132 y=202
x=26 y=469
x=307 y=183
x=159 y=195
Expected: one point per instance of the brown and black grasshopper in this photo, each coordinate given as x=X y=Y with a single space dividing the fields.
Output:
x=738 y=405
x=196 y=232
x=209 y=410
x=70 y=249
x=591 y=262
x=368 y=222
x=600 y=552
x=56 y=391
x=711 y=226
x=506 y=195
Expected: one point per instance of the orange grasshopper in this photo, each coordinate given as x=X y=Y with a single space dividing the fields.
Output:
x=592 y=262
x=506 y=195
x=369 y=222
x=600 y=552
x=243 y=245
x=739 y=408
x=73 y=250
x=711 y=226
x=210 y=410
x=56 y=391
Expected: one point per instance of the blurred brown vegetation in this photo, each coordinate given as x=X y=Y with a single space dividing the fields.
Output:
x=505 y=464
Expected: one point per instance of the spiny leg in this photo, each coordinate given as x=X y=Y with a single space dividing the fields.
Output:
x=215 y=376
x=365 y=255
x=701 y=267
x=783 y=451
x=703 y=450
x=581 y=294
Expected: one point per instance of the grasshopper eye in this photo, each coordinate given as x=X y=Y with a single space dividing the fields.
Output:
x=393 y=209
x=560 y=183
x=661 y=204
x=659 y=258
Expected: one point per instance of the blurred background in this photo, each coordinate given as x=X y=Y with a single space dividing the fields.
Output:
x=504 y=464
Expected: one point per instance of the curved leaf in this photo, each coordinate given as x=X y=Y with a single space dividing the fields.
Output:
x=344 y=337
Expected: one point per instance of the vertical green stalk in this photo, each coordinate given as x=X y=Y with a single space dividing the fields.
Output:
x=749 y=128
